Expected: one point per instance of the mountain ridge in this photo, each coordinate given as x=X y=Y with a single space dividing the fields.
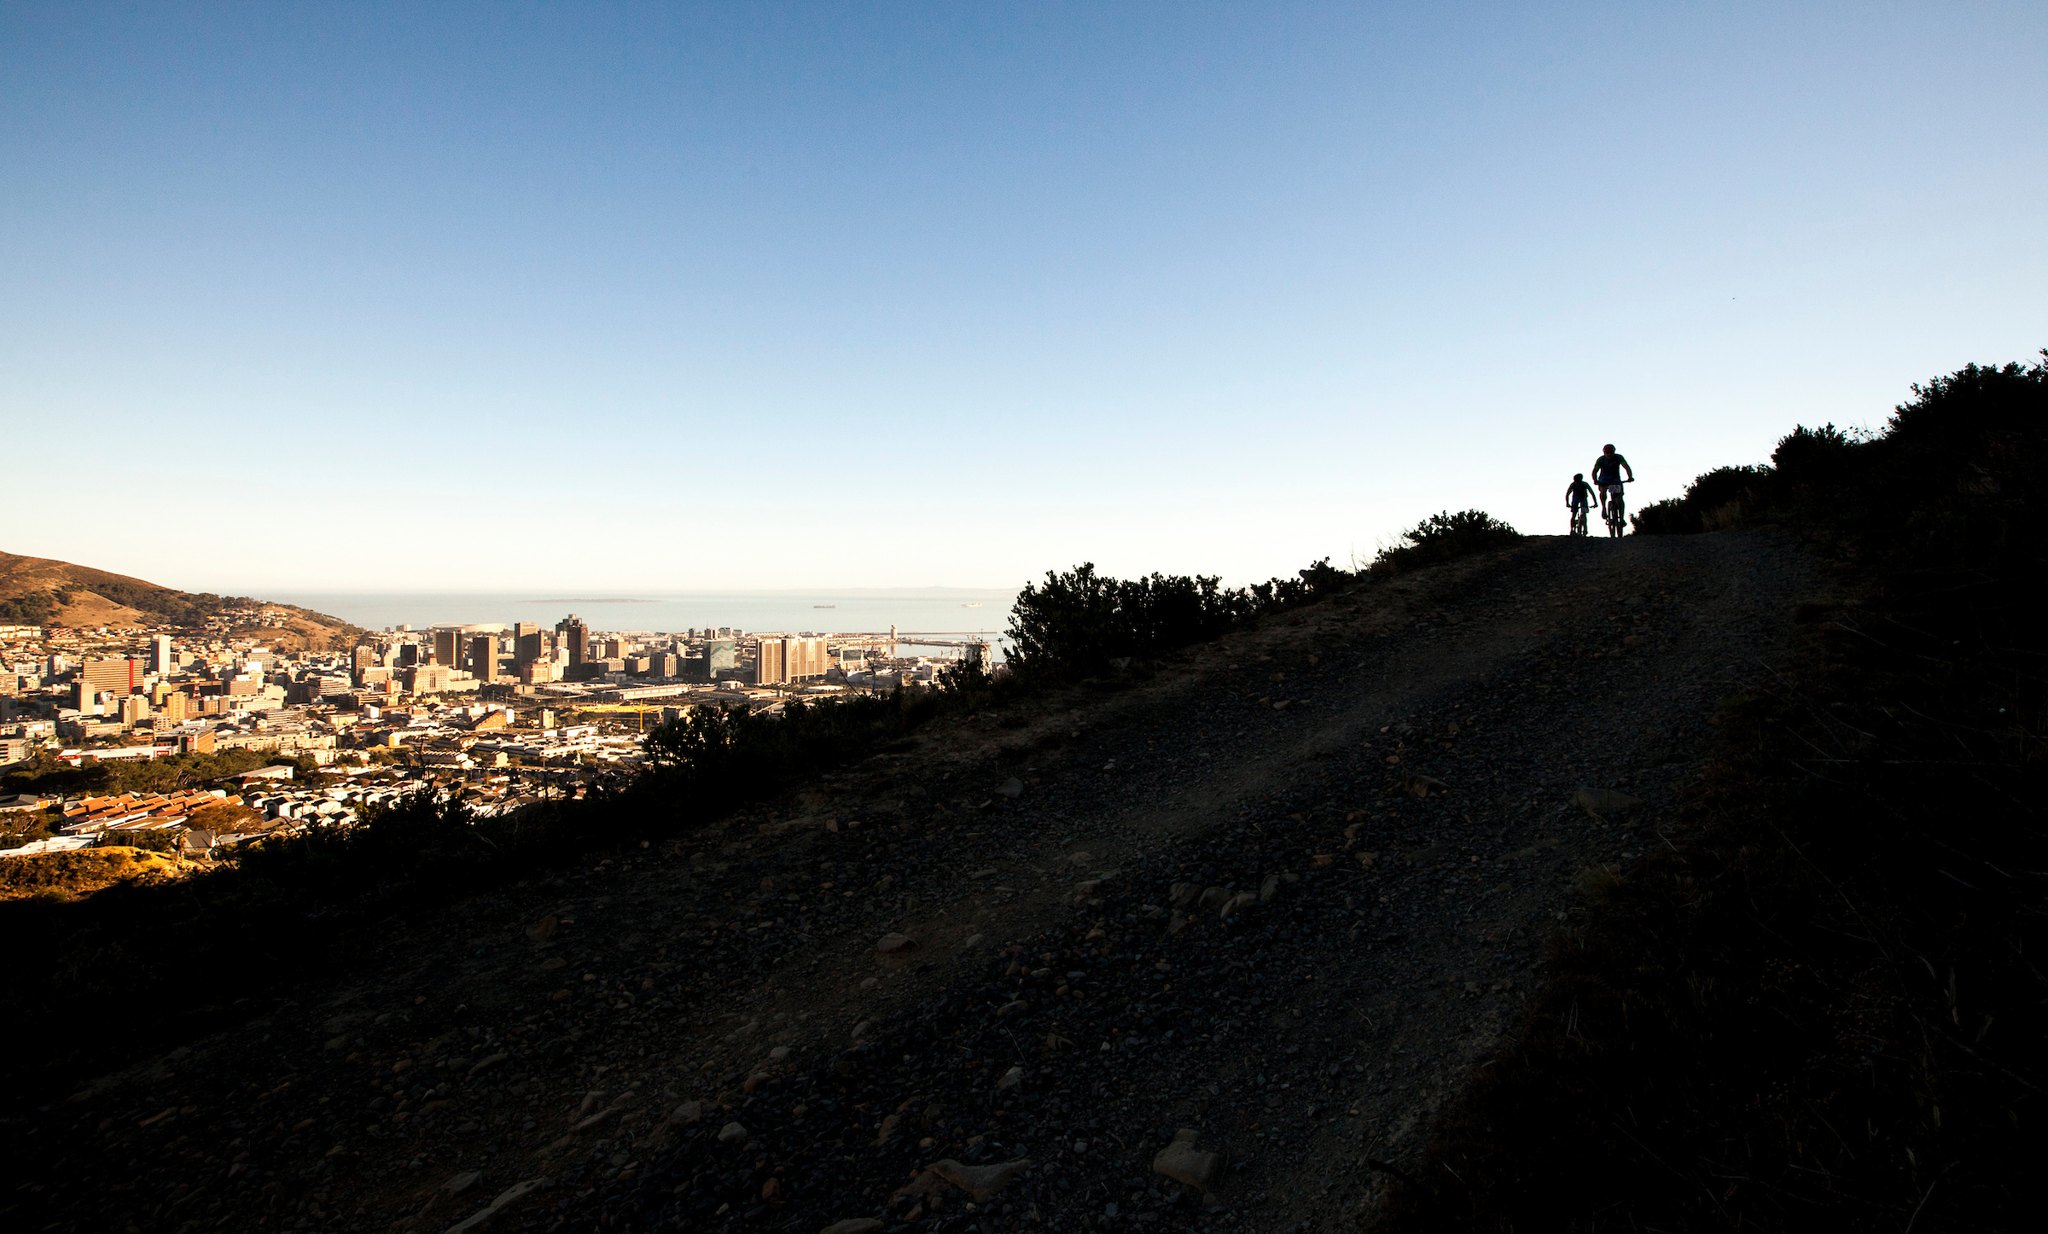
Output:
x=49 y=592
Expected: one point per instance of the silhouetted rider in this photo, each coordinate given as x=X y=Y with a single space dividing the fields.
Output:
x=1607 y=471
x=1578 y=494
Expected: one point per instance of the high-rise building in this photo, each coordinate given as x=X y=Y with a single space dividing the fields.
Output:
x=113 y=676
x=483 y=657
x=160 y=661
x=790 y=659
x=528 y=643
x=572 y=634
x=448 y=648
x=770 y=666
x=805 y=658
x=427 y=679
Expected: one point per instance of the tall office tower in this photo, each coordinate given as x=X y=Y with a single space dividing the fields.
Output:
x=528 y=643
x=160 y=661
x=112 y=676
x=361 y=660
x=483 y=657
x=448 y=648
x=573 y=635
x=408 y=655
x=804 y=658
x=771 y=665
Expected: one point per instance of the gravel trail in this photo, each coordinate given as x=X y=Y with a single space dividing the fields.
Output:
x=1284 y=895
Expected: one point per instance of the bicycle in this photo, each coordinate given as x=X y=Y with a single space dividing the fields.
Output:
x=1578 y=520
x=1615 y=510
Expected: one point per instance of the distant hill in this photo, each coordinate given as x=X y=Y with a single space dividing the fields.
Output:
x=40 y=591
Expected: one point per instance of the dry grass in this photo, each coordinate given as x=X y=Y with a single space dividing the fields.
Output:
x=75 y=875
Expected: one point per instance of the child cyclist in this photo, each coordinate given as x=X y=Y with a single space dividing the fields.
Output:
x=1578 y=496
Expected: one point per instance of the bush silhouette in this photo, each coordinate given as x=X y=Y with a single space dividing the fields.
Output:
x=1445 y=537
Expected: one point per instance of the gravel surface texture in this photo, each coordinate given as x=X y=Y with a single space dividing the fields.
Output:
x=1205 y=951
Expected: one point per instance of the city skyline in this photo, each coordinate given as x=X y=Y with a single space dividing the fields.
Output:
x=795 y=297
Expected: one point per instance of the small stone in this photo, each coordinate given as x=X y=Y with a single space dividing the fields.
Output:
x=1421 y=785
x=483 y=1216
x=732 y=1133
x=854 y=1225
x=1183 y=894
x=544 y=929
x=1269 y=888
x=980 y=1182
x=1182 y=1162
x=972 y=940
x=1214 y=897
x=688 y=1114
x=459 y=1183
x=1011 y=1079
x=778 y=1054
x=1012 y=787
x=890 y=944
x=1237 y=904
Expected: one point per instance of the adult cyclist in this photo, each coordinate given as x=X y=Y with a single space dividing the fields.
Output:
x=1607 y=471
x=1577 y=496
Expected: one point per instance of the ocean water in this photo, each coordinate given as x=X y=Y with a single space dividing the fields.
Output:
x=955 y=612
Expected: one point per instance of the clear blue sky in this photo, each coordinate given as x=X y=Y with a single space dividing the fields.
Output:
x=669 y=296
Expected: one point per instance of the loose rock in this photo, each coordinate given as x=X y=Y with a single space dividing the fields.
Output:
x=1182 y=1162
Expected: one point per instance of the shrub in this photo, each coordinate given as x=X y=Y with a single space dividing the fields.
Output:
x=1445 y=537
x=1716 y=499
x=1081 y=623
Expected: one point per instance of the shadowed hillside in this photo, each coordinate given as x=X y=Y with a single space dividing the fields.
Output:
x=1684 y=881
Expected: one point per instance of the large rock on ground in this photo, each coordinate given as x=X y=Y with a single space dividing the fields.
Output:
x=1182 y=1162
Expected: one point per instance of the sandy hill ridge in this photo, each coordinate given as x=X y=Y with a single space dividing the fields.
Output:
x=1286 y=895
x=43 y=591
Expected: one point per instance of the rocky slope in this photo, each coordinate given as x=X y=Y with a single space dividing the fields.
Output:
x=1200 y=953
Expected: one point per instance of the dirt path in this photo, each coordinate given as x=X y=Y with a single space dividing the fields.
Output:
x=705 y=1036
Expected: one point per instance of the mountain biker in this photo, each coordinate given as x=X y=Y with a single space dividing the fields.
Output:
x=1607 y=471
x=1577 y=496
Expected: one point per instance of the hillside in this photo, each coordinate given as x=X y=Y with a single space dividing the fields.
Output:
x=1285 y=894
x=82 y=872
x=40 y=591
